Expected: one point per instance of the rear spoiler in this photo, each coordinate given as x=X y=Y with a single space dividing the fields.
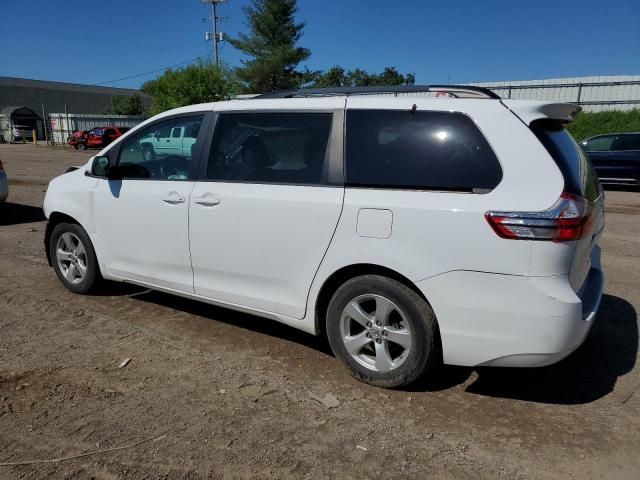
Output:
x=529 y=111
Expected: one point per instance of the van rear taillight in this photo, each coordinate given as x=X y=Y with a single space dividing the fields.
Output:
x=569 y=219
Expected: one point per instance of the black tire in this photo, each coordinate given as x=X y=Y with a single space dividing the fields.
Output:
x=92 y=275
x=424 y=349
x=81 y=146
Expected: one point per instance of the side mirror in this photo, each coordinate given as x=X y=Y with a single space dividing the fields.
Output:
x=100 y=166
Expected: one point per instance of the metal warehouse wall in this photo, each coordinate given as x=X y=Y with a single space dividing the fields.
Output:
x=594 y=94
x=54 y=96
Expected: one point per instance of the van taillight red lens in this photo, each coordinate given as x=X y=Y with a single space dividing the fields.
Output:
x=569 y=219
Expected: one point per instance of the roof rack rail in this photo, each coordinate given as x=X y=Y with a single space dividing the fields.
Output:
x=456 y=91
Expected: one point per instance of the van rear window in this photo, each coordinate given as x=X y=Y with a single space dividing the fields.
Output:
x=418 y=151
x=579 y=176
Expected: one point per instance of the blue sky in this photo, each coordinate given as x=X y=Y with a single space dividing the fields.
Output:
x=457 y=42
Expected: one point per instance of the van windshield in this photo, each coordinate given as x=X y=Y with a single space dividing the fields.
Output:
x=579 y=175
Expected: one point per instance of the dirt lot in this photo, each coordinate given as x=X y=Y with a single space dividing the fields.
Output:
x=210 y=393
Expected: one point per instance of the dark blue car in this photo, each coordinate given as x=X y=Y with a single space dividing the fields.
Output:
x=615 y=157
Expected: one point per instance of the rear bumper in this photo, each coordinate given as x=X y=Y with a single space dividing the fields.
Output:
x=511 y=321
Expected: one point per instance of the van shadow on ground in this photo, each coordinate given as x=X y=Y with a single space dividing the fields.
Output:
x=240 y=320
x=590 y=373
x=16 y=213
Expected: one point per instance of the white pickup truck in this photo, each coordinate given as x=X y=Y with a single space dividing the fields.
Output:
x=169 y=141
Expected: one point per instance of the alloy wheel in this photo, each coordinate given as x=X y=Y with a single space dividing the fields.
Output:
x=71 y=256
x=375 y=332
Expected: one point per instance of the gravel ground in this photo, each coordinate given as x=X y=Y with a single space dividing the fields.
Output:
x=210 y=393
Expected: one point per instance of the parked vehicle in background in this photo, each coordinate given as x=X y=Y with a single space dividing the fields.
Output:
x=78 y=139
x=4 y=184
x=99 y=137
x=168 y=140
x=615 y=157
x=410 y=230
x=21 y=132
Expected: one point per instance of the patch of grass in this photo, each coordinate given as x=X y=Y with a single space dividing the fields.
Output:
x=588 y=124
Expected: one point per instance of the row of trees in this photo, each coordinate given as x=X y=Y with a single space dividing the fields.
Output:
x=273 y=58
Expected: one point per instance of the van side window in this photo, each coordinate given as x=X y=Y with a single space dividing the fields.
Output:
x=418 y=150
x=285 y=148
x=153 y=153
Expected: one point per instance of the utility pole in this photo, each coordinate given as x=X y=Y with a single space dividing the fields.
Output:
x=215 y=36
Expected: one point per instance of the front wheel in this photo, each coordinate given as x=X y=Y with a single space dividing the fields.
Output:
x=382 y=330
x=73 y=257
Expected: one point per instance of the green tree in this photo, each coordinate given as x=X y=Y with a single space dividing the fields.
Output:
x=201 y=82
x=127 y=105
x=390 y=76
x=334 y=77
x=271 y=46
x=338 y=77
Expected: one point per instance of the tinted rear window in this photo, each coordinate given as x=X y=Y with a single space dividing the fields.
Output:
x=579 y=176
x=418 y=150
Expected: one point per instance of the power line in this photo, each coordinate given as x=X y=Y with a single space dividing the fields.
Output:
x=146 y=73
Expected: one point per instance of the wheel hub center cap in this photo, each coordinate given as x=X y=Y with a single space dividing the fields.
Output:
x=376 y=331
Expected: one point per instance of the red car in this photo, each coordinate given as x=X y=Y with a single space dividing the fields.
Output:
x=99 y=137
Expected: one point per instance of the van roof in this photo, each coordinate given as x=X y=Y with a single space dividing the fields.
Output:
x=526 y=110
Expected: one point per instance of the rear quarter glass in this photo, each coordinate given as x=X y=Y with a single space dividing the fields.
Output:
x=579 y=175
x=428 y=150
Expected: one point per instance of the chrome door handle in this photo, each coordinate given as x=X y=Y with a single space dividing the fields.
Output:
x=173 y=199
x=207 y=201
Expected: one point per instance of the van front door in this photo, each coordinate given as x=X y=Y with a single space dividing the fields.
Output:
x=142 y=219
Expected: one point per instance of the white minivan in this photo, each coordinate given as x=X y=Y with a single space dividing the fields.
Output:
x=410 y=225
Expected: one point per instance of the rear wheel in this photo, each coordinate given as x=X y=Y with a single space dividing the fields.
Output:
x=382 y=330
x=81 y=146
x=73 y=257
